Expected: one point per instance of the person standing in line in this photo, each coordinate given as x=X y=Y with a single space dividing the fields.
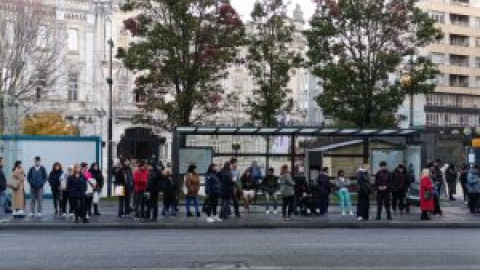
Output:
x=270 y=188
x=343 y=186
x=383 y=184
x=170 y=191
x=77 y=186
x=54 y=181
x=324 y=190
x=91 y=184
x=426 y=195
x=464 y=182
x=192 y=182
x=37 y=177
x=3 y=187
x=153 y=186
x=123 y=176
x=249 y=188
x=451 y=176
x=400 y=186
x=18 y=202
x=140 y=181
x=437 y=177
x=65 y=198
x=473 y=184
x=98 y=176
x=364 y=189
x=237 y=187
x=287 y=191
x=227 y=187
x=212 y=190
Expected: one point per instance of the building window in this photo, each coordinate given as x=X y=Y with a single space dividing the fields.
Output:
x=73 y=40
x=459 y=40
x=458 y=80
x=459 y=60
x=439 y=17
x=477 y=22
x=10 y=32
x=461 y=20
x=461 y=2
x=477 y=81
x=72 y=87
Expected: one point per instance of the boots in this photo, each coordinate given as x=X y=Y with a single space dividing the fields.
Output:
x=95 y=210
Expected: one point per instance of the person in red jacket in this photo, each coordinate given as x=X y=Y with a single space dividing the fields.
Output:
x=140 y=180
x=426 y=194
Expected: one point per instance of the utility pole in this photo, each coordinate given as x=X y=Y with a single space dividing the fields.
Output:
x=110 y=122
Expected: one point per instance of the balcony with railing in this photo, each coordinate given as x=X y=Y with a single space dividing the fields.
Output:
x=460 y=20
x=459 y=60
x=459 y=40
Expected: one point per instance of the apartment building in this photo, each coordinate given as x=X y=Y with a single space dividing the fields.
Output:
x=456 y=101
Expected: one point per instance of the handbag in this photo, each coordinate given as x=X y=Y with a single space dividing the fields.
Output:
x=120 y=191
x=96 y=198
x=13 y=184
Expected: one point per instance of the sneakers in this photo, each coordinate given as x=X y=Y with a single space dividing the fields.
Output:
x=351 y=213
x=39 y=215
x=64 y=215
x=217 y=219
x=210 y=220
x=343 y=213
x=360 y=218
x=275 y=212
x=267 y=212
x=32 y=215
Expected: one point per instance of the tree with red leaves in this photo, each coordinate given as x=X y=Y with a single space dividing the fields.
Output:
x=181 y=50
x=357 y=47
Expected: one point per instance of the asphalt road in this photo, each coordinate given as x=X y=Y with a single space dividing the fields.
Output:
x=241 y=249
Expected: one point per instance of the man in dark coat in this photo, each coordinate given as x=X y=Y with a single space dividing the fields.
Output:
x=324 y=189
x=227 y=189
x=364 y=189
x=400 y=186
x=384 y=184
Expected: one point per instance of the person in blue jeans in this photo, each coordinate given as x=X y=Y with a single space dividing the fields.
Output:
x=343 y=185
x=192 y=183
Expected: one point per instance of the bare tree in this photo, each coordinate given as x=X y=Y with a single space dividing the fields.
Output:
x=30 y=48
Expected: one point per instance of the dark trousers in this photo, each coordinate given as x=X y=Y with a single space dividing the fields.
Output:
x=225 y=209
x=236 y=204
x=63 y=203
x=140 y=202
x=211 y=203
x=323 y=204
x=79 y=207
x=153 y=206
x=383 y=200
x=287 y=206
x=436 y=208
x=124 y=204
x=169 y=204
x=88 y=204
x=465 y=191
x=363 y=205
x=424 y=215
x=56 y=199
x=398 y=200
x=473 y=203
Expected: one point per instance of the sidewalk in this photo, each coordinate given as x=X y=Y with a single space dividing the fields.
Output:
x=455 y=216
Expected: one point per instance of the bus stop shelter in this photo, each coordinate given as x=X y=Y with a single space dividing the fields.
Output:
x=292 y=132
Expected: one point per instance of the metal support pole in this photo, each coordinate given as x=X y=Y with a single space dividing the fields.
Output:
x=175 y=155
x=292 y=155
x=411 y=110
x=366 y=148
x=267 y=162
x=110 y=122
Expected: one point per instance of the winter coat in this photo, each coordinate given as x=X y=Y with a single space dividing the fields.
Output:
x=323 y=185
x=124 y=177
x=140 y=180
x=97 y=174
x=212 y=184
x=286 y=185
x=248 y=183
x=363 y=181
x=18 y=195
x=256 y=173
x=54 y=179
x=451 y=175
x=426 y=186
x=400 y=181
x=192 y=183
x=76 y=186
x=154 y=182
x=270 y=184
x=37 y=178
x=169 y=186
x=3 y=181
x=383 y=180
x=227 y=185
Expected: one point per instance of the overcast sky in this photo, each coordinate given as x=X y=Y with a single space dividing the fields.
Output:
x=245 y=7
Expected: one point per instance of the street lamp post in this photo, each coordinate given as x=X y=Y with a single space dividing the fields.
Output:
x=110 y=122
x=407 y=82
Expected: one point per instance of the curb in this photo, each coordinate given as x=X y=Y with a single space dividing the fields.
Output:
x=236 y=226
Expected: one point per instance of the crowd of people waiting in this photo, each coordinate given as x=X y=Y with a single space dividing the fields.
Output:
x=138 y=190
